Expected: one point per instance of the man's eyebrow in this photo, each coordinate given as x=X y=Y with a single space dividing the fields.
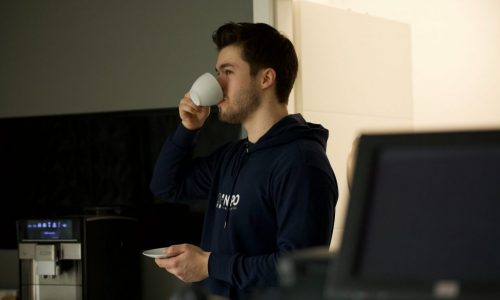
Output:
x=223 y=66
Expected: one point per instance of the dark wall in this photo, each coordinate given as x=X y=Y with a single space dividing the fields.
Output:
x=71 y=164
x=72 y=56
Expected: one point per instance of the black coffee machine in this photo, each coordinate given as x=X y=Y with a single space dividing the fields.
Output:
x=91 y=256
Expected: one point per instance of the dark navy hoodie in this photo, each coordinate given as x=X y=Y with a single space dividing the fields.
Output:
x=264 y=199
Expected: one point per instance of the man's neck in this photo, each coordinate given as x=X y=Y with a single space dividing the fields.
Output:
x=263 y=119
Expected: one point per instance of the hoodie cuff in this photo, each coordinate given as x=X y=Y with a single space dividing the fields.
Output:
x=220 y=266
x=184 y=137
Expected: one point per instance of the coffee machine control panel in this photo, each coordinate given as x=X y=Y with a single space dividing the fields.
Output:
x=48 y=230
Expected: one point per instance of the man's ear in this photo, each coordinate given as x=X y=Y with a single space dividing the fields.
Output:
x=267 y=78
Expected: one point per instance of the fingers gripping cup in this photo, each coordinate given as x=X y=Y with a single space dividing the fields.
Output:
x=206 y=90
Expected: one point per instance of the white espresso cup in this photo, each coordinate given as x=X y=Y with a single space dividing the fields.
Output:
x=206 y=90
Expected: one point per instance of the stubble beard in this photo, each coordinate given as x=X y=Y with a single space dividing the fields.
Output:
x=241 y=107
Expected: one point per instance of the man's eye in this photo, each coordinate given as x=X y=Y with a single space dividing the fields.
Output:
x=227 y=72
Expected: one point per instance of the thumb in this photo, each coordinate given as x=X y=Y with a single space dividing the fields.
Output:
x=174 y=250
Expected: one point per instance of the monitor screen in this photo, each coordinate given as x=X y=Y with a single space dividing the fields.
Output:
x=423 y=218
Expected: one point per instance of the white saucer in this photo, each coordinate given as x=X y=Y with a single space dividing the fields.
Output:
x=155 y=253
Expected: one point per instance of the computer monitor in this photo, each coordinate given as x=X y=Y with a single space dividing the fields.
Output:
x=423 y=220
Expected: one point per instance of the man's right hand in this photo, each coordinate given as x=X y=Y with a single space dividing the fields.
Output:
x=193 y=117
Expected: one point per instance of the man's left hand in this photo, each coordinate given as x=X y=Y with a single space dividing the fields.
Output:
x=187 y=262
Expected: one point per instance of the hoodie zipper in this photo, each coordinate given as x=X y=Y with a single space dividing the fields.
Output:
x=235 y=172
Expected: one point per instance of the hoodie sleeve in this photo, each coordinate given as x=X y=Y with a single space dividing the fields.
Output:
x=305 y=198
x=244 y=272
x=177 y=177
x=305 y=206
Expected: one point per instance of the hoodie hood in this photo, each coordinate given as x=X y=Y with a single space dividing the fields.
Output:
x=288 y=129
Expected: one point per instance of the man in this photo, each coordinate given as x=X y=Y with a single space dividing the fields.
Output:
x=268 y=194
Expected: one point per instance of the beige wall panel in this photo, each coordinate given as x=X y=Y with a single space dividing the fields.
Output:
x=354 y=63
x=343 y=130
x=336 y=239
x=456 y=58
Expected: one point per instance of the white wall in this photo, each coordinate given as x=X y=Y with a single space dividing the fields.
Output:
x=446 y=52
x=455 y=57
x=355 y=77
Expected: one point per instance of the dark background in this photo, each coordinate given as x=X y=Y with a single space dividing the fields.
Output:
x=96 y=163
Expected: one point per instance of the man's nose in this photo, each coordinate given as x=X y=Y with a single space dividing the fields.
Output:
x=222 y=82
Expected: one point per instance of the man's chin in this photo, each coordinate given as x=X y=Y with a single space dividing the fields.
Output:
x=228 y=118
